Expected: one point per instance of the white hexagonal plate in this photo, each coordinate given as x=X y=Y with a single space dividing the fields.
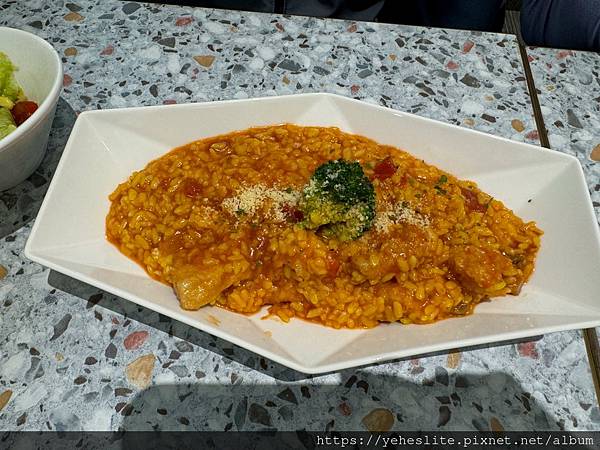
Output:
x=106 y=146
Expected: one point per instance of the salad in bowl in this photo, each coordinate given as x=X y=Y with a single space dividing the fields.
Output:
x=14 y=106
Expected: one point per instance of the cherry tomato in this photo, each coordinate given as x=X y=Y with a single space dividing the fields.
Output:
x=384 y=169
x=23 y=111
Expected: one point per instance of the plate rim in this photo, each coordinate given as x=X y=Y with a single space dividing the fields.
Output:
x=30 y=251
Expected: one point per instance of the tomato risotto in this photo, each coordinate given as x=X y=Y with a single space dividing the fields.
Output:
x=231 y=221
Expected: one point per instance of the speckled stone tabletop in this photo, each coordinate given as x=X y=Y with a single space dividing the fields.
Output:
x=568 y=88
x=73 y=357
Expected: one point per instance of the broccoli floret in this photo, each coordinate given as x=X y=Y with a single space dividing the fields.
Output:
x=339 y=200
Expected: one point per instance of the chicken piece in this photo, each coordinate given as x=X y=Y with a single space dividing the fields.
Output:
x=394 y=253
x=478 y=268
x=198 y=286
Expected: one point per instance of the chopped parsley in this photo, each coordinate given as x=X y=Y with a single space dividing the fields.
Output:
x=438 y=186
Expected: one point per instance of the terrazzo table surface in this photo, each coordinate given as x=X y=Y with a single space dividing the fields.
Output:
x=568 y=87
x=68 y=351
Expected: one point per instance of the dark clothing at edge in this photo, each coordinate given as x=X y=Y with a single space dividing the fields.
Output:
x=573 y=24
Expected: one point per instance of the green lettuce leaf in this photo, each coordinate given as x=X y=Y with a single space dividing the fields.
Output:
x=7 y=124
x=8 y=84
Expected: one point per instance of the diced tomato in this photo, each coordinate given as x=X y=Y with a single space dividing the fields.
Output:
x=192 y=188
x=23 y=111
x=164 y=183
x=292 y=213
x=384 y=169
x=172 y=244
x=471 y=201
x=404 y=180
x=333 y=265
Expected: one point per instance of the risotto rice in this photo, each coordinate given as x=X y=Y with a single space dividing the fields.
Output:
x=217 y=220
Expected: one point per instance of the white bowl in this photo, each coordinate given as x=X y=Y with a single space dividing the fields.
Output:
x=105 y=147
x=40 y=75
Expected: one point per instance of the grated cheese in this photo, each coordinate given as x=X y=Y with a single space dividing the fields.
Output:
x=250 y=199
x=398 y=213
